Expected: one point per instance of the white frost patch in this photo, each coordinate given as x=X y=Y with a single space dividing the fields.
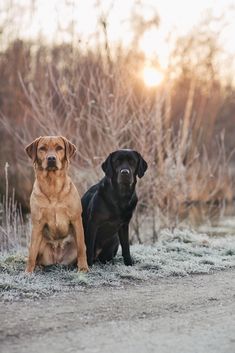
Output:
x=177 y=253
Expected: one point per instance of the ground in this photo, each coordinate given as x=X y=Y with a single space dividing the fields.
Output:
x=178 y=297
x=185 y=314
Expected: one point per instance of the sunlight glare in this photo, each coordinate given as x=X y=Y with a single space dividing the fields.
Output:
x=152 y=77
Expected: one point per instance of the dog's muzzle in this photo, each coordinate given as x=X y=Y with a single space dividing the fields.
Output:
x=51 y=163
x=125 y=172
x=125 y=176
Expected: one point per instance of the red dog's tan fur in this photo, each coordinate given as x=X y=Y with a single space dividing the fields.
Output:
x=57 y=231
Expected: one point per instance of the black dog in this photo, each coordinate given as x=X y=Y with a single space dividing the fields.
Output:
x=108 y=207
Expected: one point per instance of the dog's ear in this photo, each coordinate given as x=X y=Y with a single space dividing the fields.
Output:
x=107 y=166
x=142 y=166
x=31 y=149
x=70 y=148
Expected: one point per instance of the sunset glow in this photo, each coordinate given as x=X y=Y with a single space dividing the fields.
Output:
x=152 y=77
x=78 y=22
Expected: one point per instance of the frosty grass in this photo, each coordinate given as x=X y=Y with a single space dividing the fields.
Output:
x=177 y=253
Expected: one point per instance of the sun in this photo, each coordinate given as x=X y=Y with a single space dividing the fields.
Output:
x=152 y=77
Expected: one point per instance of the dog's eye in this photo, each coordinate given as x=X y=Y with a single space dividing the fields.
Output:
x=43 y=149
x=117 y=162
x=59 y=148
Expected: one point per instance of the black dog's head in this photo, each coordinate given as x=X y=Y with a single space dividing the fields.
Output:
x=124 y=165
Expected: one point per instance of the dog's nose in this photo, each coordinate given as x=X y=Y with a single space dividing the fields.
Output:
x=125 y=171
x=51 y=158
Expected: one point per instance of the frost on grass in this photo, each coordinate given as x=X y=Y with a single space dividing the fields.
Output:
x=177 y=253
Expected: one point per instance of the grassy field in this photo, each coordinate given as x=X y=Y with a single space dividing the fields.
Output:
x=177 y=253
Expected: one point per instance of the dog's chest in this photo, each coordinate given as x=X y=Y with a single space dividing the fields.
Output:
x=57 y=223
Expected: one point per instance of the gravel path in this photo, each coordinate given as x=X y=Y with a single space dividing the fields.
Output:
x=188 y=314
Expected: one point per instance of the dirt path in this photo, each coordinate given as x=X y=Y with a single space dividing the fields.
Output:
x=189 y=314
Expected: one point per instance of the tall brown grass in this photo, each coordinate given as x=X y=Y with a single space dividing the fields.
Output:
x=13 y=229
x=103 y=107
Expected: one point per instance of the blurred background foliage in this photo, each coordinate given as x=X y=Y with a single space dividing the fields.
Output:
x=91 y=90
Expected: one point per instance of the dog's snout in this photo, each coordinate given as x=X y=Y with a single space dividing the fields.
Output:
x=51 y=162
x=125 y=171
x=51 y=159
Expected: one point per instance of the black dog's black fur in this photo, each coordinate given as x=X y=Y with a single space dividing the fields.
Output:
x=108 y=207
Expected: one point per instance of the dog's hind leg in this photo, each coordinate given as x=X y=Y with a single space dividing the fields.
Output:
x=109 y=250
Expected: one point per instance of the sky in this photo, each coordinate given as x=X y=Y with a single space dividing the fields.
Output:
x=176 y=18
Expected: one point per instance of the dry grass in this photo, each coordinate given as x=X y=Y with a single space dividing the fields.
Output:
x=102 y=105
x=14 y=231
x=101 y=112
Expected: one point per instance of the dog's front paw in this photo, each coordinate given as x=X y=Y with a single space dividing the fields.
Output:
x=83 y=267
x=29 y=269
x=30 y=266
x=128 y=261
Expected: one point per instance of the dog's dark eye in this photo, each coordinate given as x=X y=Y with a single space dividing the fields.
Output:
x=118 y=161
x=131 y=162
x=43 y=149
x=59 y=148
